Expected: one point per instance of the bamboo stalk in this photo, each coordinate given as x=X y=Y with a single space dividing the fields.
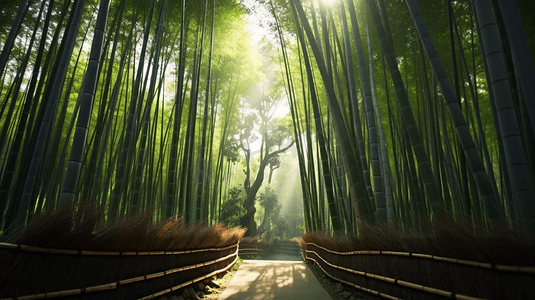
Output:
x=395 y=253
x=131 y=280
x=63 y=251
x=370 y=252
x=410 y=285
x=33 y=249
x=438 y=292
x=8 y=246
x=38 y=296
x=103 y=287
x=159 y=274
x=422 y=255
x=527 y=270
x=464 y=297
x=64 y=293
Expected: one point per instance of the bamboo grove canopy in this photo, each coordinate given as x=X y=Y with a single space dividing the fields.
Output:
x=399 y=110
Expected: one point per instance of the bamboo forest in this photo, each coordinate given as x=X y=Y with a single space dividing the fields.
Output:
x=281 y=118
x=374 y=111
x=156 y=104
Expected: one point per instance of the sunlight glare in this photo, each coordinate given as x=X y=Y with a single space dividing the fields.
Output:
x=258 y=19
x=329 y=2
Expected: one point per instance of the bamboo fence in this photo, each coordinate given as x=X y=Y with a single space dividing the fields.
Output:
x=409 y=275
x=255 y=247
x=223 y=263
x=68 y=253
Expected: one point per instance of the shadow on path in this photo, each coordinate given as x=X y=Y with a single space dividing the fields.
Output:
x=274 y=279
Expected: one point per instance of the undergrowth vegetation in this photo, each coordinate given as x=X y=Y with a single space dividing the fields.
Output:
x=444 y=256
x=83 y=226
x=132 y=257
x=446 y=237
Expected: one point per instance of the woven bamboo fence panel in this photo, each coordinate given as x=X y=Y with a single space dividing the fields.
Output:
x=253 y=247
x=28 y=272
x=287 y=247
x=260 y=248
x=403 y=275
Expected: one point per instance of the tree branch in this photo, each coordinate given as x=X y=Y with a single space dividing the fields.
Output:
x=272 y=154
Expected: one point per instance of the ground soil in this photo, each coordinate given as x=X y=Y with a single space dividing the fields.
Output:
x=223 y=281
x=328 y=284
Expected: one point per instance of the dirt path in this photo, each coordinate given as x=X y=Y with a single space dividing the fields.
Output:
x=270 y=279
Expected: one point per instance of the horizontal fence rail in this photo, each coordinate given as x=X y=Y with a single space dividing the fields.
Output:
x=503 y=268
x=196 y=271
x=177 y=287
x=251 y=251
x=440 y=276
x=8 y=246
x=397 y=281
x=286 y=247
x=268 y=249
x=376 y=293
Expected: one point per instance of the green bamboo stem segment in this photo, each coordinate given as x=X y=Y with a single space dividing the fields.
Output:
x=514 y=153
x=351 y=163
x=434 y=197
x=473 y=158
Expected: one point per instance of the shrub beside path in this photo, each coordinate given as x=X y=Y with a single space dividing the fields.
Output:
x=274 y=279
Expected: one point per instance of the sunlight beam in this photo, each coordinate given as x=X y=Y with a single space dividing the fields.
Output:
x=328 y=3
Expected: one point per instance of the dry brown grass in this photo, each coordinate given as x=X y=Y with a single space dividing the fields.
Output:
x=83 y=227
x=448 y=238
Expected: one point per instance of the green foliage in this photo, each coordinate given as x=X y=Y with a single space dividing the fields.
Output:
x=247 y=83
x=269 y=200
x=232 y=150
x=301 y=228
x=279 y=133
x=280 y=229
x=236 y=266
x=232 y=209
x=235 y=69
x=275 y=225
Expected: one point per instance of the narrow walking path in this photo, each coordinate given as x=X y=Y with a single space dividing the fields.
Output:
x=274 y=279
